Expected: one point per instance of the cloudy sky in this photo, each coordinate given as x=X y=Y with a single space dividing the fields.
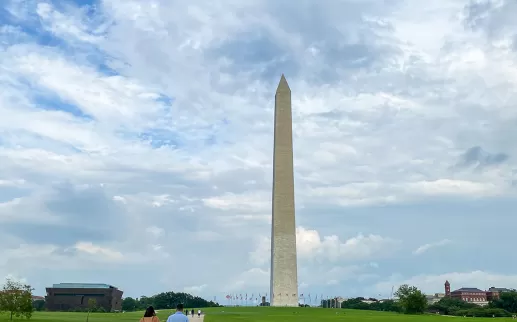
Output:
x=136 y=143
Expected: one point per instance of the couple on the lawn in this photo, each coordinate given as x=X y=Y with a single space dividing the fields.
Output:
x=178 y=316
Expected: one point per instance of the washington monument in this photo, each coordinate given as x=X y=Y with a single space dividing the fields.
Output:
x=284 y=272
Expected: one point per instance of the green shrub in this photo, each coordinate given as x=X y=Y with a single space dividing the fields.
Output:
x=483 y=312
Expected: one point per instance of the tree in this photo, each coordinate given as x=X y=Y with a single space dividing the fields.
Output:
x=169 y=300
x=358 y=304
x=38 y=305
x=129 y=304
x=92 y=306
x=16 y=299
x=411 y=299
x=506 y=301
x=450 y=306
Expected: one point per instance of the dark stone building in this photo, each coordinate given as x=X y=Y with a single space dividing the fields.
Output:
x=74 y=296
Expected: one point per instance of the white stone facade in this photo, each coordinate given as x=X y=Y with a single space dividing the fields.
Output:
x=284 y=273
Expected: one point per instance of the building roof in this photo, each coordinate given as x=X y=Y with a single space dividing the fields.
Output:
x=82 y=285
x=468 y=289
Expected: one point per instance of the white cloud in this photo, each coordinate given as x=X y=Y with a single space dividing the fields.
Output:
x=20 y=210
x=160 y=200
x=247 y=202
x=452 y=187
x=254 y=278
x=16 y=278
x=360 y=247
x=120 y=199
x=195 y=290
x=262 y=253
x=155 y=231
x=12 y=182
x=311 y=246
x=60 y=24
x=25 y=251
x=424 y=248
x=91 y=249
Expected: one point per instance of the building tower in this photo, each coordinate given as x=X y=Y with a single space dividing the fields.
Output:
x=284 y=272
x=447 y=289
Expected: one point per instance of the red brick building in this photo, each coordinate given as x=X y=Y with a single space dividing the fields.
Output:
x=474 y=295
x=470 y=294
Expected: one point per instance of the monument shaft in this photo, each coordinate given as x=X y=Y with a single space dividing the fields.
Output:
x=284 y=273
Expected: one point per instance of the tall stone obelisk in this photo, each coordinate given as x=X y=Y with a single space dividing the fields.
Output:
x=284 y=272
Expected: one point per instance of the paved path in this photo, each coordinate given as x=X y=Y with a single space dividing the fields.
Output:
x=196 y=318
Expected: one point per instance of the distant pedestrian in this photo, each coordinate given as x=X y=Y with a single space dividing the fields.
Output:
x=178 y=316
x=192 y=312
x=198 y=313
x=150 y=315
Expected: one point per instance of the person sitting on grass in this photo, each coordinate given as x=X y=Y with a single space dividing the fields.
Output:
x=150 y=315
x=179 y=316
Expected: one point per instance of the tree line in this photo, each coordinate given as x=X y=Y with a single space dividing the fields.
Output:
x=412 y=301
x=358 y=304
x=165 y=301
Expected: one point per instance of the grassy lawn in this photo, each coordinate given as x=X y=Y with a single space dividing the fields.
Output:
x=321 y=315
x=254 y=315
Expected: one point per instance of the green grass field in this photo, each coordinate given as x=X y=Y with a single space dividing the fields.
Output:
x=254 y=314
